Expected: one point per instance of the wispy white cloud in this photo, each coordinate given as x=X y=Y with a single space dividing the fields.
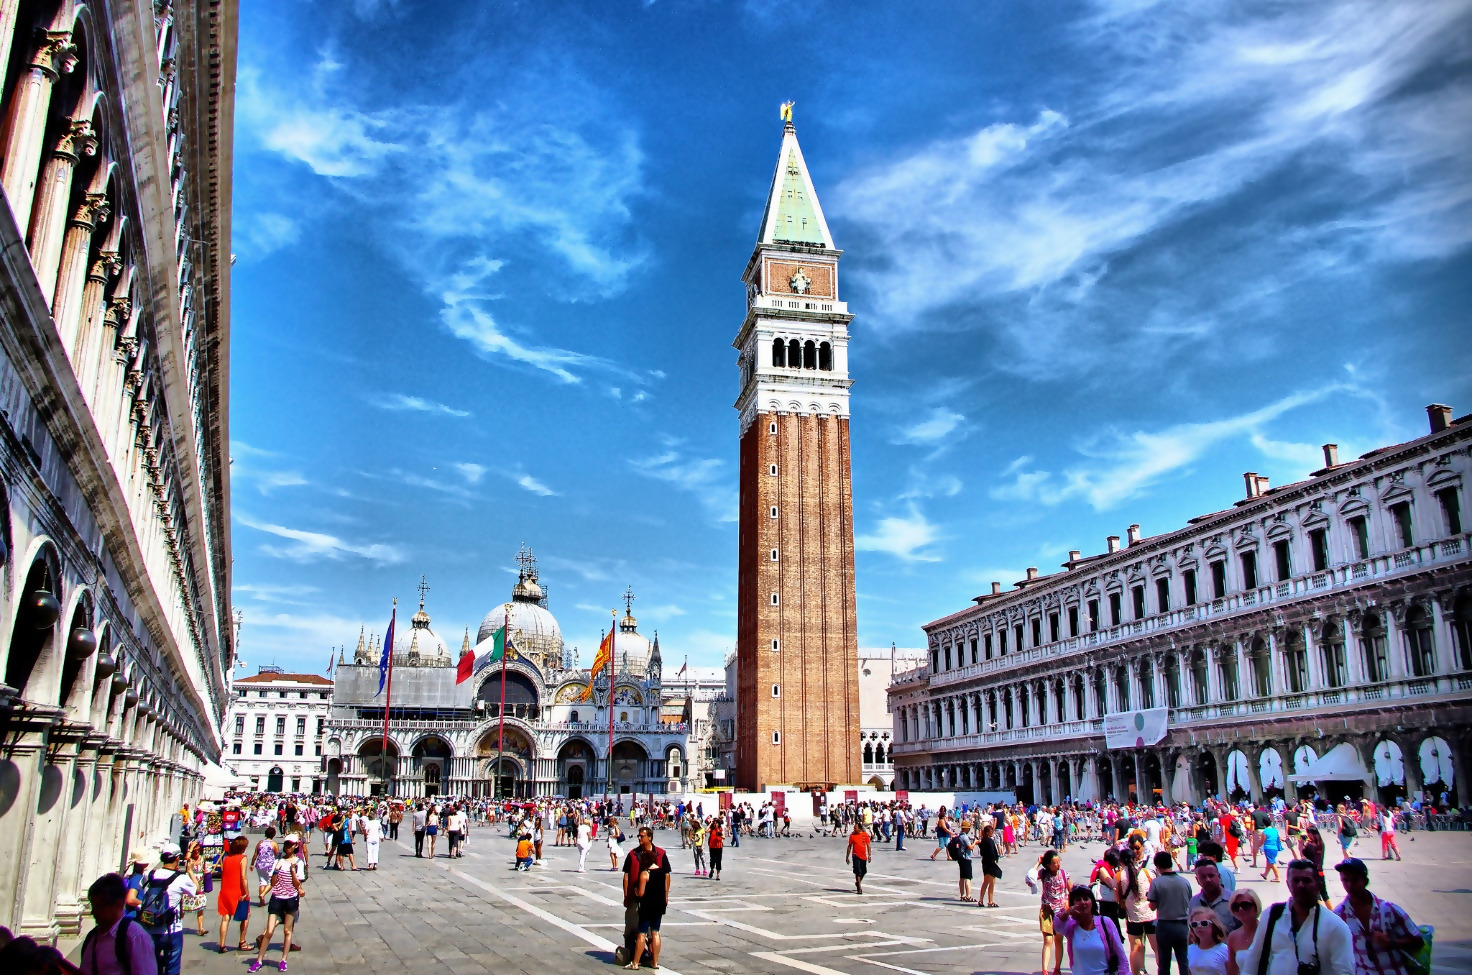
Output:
x=416 y=404
x=258 y=234
x=535 y=486
x=471 y=472
x=307 y=546
x=1122 y=466
x=936 y=425
x=313 y=128
x=1013 y=225
x=907 y=537
x=704 y=477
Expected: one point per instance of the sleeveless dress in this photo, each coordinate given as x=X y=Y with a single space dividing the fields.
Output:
x=231 y=890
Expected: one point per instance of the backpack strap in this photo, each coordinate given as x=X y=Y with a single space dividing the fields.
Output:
x=1274 y=913
x=1110 y=933
x=121 y=949
x=91 y=936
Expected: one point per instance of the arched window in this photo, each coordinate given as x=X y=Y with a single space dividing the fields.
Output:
x=1420 y=655
x=879 y=756
x=825 y=357
x=1295 y=660
x=1373 y=642
x=809 y=355
x=1462 y=631
x=1333 y=644
x=1262 y=669
x=573 y=717
x=779 y=353
x=794 y=354
x=868 y=753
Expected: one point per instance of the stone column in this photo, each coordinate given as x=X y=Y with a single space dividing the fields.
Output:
x=1314 y=657
x=1167 y=769
x=55 y=798
x=25 y=123
x=26 y=752
x=53 y=199
x=1213 y=673
x=99 y=811
x=71 y=884
x=1244 y=678
x=8 y=10
x=77 y=293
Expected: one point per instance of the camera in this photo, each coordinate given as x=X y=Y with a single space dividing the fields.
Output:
x=1308 y=968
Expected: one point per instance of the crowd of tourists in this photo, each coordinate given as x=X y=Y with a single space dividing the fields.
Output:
x=1164 y=886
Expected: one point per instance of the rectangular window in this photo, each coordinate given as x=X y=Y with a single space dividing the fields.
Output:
x=774 y=555
x=973 y=650
x=278 y=748
x=235 y=750
x=240 y=724
x=301 y=727
x=1116 y=608
x=948 y=656
x=1451 y=510
x=280 y=725
x=986 y=643
x=260 y=724
x=258 y=748
x=321 y=725
x=1284 y=563
x=775 y=601
x=1249 y=570
x=298 y=748
x=1073 y=621
x=1093 y=616
x=1002 y=642
x=1037 y=632
x=772 y=511
x=1189 y=579
x=317 y=750
x=1162 y=595
x=1359 y=528
x=1017 y=632
x=1137 y=598
x=1318 y=543
x=1402 y=515
x=1218 y=580
x=1053 y=627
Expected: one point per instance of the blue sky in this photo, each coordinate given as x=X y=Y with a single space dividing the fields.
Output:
x=1104 y=258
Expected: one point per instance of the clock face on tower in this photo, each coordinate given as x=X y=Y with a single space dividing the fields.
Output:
x=800 y=282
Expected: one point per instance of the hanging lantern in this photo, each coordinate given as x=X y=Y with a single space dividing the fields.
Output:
x=119 y=681
x=106 y=666
x=130 y=698
x=81 y=644
x=43 y=608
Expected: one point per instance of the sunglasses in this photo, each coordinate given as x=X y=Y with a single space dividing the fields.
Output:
x=1201 y=924
x=1243 y=906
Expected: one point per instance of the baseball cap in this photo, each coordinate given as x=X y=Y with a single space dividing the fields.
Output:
x=1353 y=865
x=169 y=851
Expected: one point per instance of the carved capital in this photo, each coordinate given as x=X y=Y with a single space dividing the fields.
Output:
x=55 y=54
x=93 y=209
x=77 y=140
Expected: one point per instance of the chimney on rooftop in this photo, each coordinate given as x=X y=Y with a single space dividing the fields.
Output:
x=996 y=589
x=1132 y=534
x=1257 y=484
x=1074 y=555
x=1113 y=543
x=1331 y=455
x=1440 y=416
x=1032 y=573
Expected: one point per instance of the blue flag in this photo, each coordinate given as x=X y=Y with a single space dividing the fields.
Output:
x=388 y=648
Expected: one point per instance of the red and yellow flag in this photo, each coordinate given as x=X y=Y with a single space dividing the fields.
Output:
x=603 y=659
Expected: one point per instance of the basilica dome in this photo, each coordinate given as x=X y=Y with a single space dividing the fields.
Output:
x=630 y=648
x=534 y=631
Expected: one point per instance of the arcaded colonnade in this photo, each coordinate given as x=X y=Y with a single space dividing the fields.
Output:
x=115 y=622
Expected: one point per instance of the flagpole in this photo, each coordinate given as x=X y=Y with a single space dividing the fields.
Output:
x=387 y=700
x=612 y=681
x=501 y=739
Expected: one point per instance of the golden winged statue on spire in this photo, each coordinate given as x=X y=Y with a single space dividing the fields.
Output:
x=786 y=111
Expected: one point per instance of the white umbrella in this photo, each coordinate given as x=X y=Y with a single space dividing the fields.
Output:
x=1270 y=769
x=1436 y=762
x=1390 y=766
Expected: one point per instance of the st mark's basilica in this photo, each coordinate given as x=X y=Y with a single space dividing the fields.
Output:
x=444 y=736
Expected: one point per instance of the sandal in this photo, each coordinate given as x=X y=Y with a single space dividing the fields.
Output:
x=241 y=947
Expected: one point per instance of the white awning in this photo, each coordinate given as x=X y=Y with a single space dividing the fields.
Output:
x=218 y=779
x=1339 y=764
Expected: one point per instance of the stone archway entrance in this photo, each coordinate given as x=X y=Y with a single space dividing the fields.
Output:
x=575 y=764
x=629 y=762
x=274 y=779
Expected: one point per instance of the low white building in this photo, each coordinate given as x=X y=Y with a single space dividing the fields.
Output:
x=275 y=728
x=877 y=667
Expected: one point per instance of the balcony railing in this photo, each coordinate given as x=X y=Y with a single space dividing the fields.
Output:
x=1335 y=698
x=1341 y=576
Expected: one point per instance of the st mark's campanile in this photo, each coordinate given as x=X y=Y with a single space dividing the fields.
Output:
x=796 y=636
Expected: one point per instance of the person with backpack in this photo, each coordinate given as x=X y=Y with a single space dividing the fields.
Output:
x=1348 y=832
x=1386 y=940
x=118 y=944
x=1300 y=935
x=161 y=913
x=959 y=849
x=1095 y=946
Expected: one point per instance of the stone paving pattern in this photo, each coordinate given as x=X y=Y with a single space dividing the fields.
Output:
x=784 y=906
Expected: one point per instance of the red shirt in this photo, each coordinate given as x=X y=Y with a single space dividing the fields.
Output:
x=858 y=843
x=716 y=840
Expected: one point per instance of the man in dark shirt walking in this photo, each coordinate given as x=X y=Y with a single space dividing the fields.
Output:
x=647 y=876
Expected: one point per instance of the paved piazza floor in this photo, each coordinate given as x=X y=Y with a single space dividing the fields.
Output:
x=784 y=906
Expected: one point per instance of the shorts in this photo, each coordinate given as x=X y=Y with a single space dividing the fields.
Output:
x=283 y=907
x=649 y=923
x=1139 y=929
x=861 y=867
x=345 y=849
x=433 y=831
x=264 y=876
x=965 y=867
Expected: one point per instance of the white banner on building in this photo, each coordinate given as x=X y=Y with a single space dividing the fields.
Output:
x=1135 y=729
